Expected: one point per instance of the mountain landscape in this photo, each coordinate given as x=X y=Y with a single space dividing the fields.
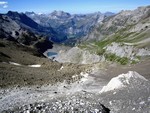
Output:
x=73 y=26
x=75 y=63
x=124 y=35
x=24 y=30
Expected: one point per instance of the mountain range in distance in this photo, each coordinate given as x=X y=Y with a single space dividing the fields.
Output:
x=59 y=26
x=63 y=27
x=73 y=26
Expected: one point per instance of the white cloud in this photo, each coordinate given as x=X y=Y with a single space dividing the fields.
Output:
x=3 y=4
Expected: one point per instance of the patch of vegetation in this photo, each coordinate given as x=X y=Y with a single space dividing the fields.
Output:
x=138 y=57
x=111 y=29
x=114 y=58
x=119 y=36
x=104 y=43
x=139 y=37
x=127 y=35
x=82 y=46
x=134 y=62
x=100 y=51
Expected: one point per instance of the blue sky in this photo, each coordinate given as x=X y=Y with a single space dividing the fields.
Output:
x=71 y=6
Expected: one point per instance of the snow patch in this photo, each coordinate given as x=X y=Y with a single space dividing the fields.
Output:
x=142 y=102
x=37 y=65
x=133 y=108
x=96 y=110
x=61 y=68
x=131 y=79
x=13 y=63
x=110 y=102
x=17 y=64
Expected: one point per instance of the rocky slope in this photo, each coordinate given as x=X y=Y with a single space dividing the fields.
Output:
x=25 y=31
x=129 y=22
x=128 y=92
x=26 y=22
x=122 y=37
x=121 y=97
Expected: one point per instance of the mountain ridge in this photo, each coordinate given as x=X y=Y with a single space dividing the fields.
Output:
x=73 y=26
x=122 y=20
x=21 y=31
x=123 y=38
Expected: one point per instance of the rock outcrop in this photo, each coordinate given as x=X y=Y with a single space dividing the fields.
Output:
x=127 y=93
x=129 y=81
x=77 y=55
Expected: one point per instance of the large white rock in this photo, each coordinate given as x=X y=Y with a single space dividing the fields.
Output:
x=129 y=80
x=77 y=55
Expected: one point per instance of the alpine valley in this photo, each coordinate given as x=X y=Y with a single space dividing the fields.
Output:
x=75 y=63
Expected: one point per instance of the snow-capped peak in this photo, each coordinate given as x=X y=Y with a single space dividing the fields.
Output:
x=40 y=13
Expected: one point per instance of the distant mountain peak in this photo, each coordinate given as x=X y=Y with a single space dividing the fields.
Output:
x=109 y=13
x=11 y=13
x=60 y=13
x=40 y=13
x=27 y=12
